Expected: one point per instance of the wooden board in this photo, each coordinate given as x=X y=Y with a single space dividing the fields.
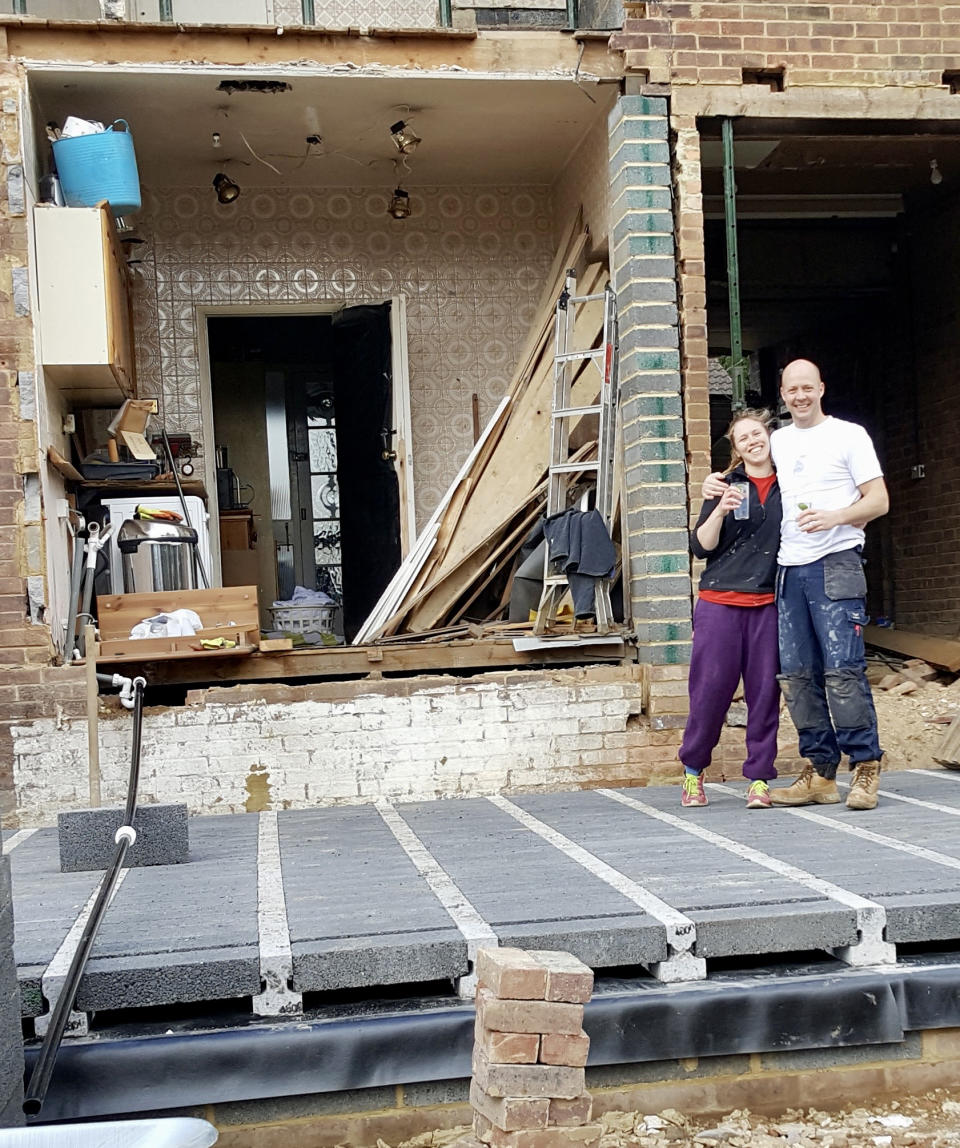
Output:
x=229 y=612
x=156 y=649
x=943 y=652
x=350 y=661
x=66 y=468
x=522 y=454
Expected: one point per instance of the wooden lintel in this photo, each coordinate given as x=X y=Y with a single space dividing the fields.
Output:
x=350 y=661
x=548 y=52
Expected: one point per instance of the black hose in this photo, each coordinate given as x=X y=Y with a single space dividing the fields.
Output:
x=42 y=1073
x=134 y=779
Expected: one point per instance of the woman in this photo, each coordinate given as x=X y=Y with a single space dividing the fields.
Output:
x=735 y=619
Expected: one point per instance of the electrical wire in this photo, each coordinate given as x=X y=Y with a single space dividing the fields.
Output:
x=266 y=163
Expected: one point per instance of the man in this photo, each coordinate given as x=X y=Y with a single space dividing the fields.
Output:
x=831 y=485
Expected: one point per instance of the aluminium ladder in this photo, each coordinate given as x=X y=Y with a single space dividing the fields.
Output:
x=561 y=469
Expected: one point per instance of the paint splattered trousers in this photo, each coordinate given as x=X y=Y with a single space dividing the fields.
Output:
x=821 y=615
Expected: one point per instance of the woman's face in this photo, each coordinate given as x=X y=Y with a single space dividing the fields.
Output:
x=751 y=440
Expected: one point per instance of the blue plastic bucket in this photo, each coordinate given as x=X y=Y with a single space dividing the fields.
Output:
x=97 y=167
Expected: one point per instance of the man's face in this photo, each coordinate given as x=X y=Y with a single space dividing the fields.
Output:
x=801 y=393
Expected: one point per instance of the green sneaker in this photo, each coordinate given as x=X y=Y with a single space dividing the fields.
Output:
x=693 y=790
x=758 y=795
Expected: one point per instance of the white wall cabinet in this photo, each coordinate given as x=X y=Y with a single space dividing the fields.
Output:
x=86 y=343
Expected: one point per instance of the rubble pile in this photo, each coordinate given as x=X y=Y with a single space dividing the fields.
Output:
x=931 y=1120
x=916 y=705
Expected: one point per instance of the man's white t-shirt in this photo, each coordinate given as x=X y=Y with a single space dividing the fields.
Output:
x=820 y=468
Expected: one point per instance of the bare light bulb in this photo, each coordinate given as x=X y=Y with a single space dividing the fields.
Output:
x=936 y=175
x=215 y=139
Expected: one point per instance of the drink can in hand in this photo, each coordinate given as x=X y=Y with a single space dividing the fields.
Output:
x=742 y=511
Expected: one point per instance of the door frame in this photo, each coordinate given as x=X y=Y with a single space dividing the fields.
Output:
x=400 y=368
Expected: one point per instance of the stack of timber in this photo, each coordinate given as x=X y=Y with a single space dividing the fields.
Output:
x=466 y=553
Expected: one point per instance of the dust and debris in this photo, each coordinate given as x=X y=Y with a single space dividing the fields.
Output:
x=927 y=1120
x=915 y=705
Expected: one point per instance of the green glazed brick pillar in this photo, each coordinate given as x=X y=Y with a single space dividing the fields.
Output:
x=643 y=273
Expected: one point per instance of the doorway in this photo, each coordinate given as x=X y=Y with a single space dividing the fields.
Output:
x=304 y=428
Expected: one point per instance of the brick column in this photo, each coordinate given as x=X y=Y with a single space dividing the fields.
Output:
x=529 y=1052
x=644 y=274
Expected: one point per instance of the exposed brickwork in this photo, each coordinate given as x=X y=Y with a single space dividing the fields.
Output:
x=923 y=427
x=541 y=1104
x=826 y=44
x=349 y=742
x=29 y=685
x=644 y=277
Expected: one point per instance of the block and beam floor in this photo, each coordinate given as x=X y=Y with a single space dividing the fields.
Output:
x=364 y=897
x=336 y=946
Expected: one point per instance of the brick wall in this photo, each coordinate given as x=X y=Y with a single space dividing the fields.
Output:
x=644 y=277
x=837 y=44
x=29 y=685
x=254 y=747
x=923 y=426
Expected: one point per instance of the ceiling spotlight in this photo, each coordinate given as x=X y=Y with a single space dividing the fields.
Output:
x=399 y=204
x=936 y=175
x=227 y=191
x=404 y=137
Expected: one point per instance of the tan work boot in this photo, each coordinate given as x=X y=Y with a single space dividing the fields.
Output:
x=863 y=788
x=809 y=789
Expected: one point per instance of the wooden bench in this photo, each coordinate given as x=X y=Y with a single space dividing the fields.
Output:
x=231 y=612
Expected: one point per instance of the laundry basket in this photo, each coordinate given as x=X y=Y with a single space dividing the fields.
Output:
x=303 y=619
x=99 y=166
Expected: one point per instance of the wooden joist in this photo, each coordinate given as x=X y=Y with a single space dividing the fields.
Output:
x=415 y=657
x=942 y=652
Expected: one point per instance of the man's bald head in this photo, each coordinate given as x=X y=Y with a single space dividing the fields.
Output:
x=800 y=368
x=801 y=389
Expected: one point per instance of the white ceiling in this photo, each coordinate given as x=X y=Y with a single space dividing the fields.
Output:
x=493 y=131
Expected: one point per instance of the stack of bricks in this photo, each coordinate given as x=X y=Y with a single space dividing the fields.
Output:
x=528 y=1088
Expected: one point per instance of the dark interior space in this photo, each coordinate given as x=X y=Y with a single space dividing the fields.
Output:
x=323 y=494
x=845 y=236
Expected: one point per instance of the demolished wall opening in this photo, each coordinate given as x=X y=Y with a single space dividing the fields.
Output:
x=489 y=207
x=841 y=228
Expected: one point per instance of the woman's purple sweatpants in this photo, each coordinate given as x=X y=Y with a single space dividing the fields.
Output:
x=730 y=642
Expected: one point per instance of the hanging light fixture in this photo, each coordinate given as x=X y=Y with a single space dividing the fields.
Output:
x=405 y=138
x=399 y=204
x=227 y=190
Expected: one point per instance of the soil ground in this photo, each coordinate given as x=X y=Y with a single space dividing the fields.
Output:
x=931 y=1120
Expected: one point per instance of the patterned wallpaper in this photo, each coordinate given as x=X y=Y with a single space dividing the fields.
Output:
x=367 y=13
x=470 y=261
x=585 y=181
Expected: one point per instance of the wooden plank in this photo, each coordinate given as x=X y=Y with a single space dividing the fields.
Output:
x=163 y=649
x=523 y=451
x=943 y=652
x=388 y=615
x=347 y=661
x=148 y=487
x=430 y=609
x=234 y=606
x=66 y=468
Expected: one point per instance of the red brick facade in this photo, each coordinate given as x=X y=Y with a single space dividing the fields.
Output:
x=855 y=45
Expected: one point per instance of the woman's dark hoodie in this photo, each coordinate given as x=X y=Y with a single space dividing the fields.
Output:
x=745 y=557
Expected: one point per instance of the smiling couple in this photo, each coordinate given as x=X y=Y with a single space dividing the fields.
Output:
x=782 y=600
